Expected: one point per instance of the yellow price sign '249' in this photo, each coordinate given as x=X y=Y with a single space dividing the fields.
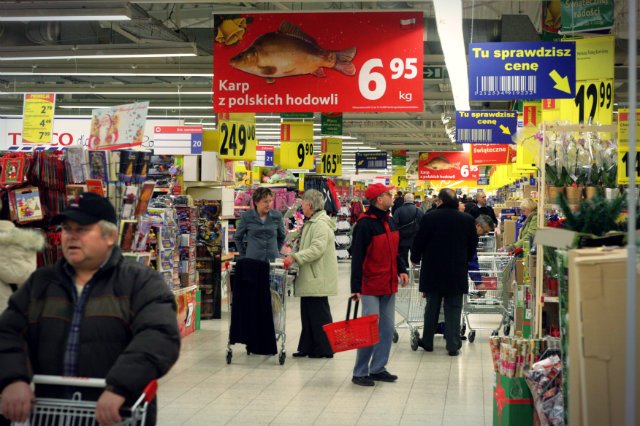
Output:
x=237 y=140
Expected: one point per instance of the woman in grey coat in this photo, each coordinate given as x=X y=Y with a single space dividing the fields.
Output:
x=260 y=234
x=317 y=276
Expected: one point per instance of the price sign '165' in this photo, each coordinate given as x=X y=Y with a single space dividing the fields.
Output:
x=372 y=82
x=331 y=164
x=237 y=140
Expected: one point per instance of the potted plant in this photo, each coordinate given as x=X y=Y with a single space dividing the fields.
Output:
x=555 y=182
x=594 y=182
x=596 y=221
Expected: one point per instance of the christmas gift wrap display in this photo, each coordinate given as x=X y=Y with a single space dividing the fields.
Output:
x=512 y=402
x=186 y=301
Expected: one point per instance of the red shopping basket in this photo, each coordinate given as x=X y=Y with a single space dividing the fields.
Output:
x=352 y=333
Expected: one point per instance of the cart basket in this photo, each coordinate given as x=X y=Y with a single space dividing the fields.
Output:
x=352 y=333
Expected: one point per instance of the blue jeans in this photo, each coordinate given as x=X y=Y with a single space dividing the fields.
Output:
x=373 y=359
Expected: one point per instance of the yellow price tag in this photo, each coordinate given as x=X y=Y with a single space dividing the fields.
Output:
x=623 y=147
x=331 y=158
x=237 y=140
x=37 y=124
x=296 y=155
x=623 y=159
x=623 y=128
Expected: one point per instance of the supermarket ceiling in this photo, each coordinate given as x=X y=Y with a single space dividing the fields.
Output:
x=181 y=86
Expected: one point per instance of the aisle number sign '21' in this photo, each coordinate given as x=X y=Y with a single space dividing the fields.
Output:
x=322 y=62
x=237 y=140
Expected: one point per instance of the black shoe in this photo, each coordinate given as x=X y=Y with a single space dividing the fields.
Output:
x=319 y=356
x=425 y=347
x=362 y=381
x=384 y=376
x=454 y=353
x=300 y=354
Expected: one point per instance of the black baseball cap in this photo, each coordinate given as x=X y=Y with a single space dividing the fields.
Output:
x=86 y=209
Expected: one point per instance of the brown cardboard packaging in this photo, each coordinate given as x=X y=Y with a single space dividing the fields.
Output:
x=597 y=299
x=513 y=203
x=527 y=189
x=519 y=271
x=509 y=235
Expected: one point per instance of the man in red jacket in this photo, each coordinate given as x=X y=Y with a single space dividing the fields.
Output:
x=375 y=265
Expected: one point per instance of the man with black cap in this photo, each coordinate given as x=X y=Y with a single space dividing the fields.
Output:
x=90 y=315
x=375 y=267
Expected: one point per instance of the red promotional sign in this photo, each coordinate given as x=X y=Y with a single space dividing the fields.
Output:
x=446 y=166
x=483 y=154
x=322 y=62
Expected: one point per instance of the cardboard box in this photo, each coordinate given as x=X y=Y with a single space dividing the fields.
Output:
x=509 y=234
x=512 y=402
x=519 y=271
x=597 y=318
x=528 y=189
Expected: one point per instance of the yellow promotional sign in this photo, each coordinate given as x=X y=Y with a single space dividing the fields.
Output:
x=237 y=140
x=37 y=124
x=330 y=157
x=623 y=147
x=296 y=148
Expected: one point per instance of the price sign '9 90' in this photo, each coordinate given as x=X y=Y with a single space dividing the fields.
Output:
x=237 y=140
x=296 y=155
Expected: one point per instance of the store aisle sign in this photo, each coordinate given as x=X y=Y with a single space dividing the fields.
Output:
x=265 y=155
x=488 y=154
x=446 y=166
x=331 y=123
x=323 y=62
x=121 y=126
x=237 y=140
x=371 y=160
x=37 y=122
x=330 y=157
x=177 y=140
x=399 y=157
x=531 y=70
x=486 y=126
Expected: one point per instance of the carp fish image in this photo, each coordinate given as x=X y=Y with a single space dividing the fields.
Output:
x=289 y=52
x=440 y=163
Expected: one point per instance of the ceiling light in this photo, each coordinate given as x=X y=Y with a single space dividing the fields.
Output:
x=449 y=22
x=97 y=51
x=30 y=13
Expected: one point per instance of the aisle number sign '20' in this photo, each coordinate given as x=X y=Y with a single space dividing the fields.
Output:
x=237 y=140
x=322 y=62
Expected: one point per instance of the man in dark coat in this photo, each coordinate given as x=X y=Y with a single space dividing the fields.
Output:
x=486 y=209
x=444 y=246
x=92 y=314
x=408 y=218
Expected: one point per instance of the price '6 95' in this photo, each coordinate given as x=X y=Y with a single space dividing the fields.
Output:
x=236 y=138
x=372 y=82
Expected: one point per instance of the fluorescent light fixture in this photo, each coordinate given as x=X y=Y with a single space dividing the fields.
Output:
x=98 y=51
x=449 y=22
x=52 y=12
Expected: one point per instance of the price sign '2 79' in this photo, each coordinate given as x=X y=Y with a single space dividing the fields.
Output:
x=237 y=140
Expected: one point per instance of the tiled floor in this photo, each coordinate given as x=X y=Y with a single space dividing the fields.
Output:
x=432 y=389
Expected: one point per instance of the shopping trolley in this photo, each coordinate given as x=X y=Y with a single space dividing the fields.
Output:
x=79 y=412
x=410 y=306
x=487 y=243
x=280 y=283
x=490 y=290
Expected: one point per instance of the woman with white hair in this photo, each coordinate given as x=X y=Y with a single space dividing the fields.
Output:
x=529 y=208
x=317 y=276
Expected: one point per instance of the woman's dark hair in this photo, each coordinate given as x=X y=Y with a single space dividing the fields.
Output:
x=260 y=194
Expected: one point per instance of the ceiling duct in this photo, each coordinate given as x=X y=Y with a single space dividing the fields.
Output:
x=44 y=33
x=518 y=28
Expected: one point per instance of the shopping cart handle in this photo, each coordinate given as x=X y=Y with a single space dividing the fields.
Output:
x=150 y=390
x=88 y=382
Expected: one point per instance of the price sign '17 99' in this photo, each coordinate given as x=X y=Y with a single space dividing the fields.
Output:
x=237 y=140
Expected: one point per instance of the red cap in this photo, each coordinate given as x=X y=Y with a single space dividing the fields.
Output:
x=375 y=189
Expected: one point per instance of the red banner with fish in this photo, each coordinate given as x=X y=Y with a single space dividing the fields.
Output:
x=446 y=166
x=321 y=62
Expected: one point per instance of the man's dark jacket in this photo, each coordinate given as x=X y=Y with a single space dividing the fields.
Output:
x=403 y=216
x=444 y=245
x=128 y=335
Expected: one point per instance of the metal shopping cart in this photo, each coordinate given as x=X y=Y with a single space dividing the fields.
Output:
x=79 y=412
x=487 y=243
x=280 y=282
x=490 y=292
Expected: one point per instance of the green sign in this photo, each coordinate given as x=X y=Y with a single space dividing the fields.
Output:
x=331 y=124
x=399 y=157
x=434 y=73
x=586 y=15
x=287 y=115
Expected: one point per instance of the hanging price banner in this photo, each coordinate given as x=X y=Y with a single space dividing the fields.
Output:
x=446 y=166
x=37 y=124
x=296 y=155
x=623 y=147
x=331 y=157
x=593 y=103
x=237 y=140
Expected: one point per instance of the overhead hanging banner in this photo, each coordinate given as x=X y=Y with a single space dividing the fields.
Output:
x=177 y=140
x=296 y=149
x=237 y=140
x=529 y=70
x=399 y=157
x=323 y=62
x=446 y=166
x=586 y=15
x=265 y=155
x=331 y=123
x=623 y=147
x=371 y=160
x=486 y=126
x=37 y=121
x=331 y=157
x=482 y=154
x=119 y=127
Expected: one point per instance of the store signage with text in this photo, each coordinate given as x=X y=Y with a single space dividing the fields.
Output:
x=530 y=70
x=371 y=160
x=178 y=140
x=37 y=123
x=331 y=123
x=446 y=166
x=323 y=62
x=487 y=154
x=623 y=147
x=237 y=140
x=486 y=126
x=399 y=157
x=586 y=15
x=264 y=155
x=118 y=127
x=330 y=157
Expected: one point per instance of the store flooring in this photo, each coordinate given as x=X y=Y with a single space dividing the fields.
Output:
x=432 y=389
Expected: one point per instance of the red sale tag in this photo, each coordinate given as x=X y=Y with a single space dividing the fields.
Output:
x=483 y=154
x=446 y=166
x=322 y=62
